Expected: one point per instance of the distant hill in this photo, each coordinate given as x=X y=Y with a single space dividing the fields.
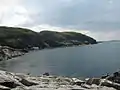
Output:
x=17 y=37
x=65 y=38
x=113 y=41
x=110 y=41
x=25 y=38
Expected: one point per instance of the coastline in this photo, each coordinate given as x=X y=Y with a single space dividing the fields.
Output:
x=7 y=53
x=20 y=81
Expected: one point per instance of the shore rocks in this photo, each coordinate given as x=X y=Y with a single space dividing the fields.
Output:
x=27 y=83
x=111 y=84
x=8 y=53
x=17 y=81
x=91 y=81
x=77 y=81
x=4 y=88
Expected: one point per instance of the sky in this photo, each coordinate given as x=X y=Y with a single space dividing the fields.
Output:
x=99 y=19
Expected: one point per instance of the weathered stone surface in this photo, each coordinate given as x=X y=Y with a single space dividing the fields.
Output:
x=91 y=81
x=4 y=88
x=8 y=80
x=27 y=83
x=16 y=81
x=115 y=77
x=8 y=53
x=111 y=84
x=77 y=81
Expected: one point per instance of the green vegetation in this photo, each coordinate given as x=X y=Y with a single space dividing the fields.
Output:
x=25 y=38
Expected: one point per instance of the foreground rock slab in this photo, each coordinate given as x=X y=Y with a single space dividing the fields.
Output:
x=18 y=81
x=4 y=88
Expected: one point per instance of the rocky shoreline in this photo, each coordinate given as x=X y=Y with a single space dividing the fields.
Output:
x=8 y=53
x=19 y=81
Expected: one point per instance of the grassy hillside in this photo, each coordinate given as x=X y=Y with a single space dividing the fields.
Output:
x=66 y=38
x=17 y=37
x=24 y=38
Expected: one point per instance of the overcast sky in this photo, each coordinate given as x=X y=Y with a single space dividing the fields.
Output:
x=97 y=18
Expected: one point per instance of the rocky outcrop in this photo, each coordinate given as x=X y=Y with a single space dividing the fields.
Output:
x=4 y=88
x=17 y=81
x=8 y=53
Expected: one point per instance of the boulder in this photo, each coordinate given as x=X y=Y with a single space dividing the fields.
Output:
x=108 y=83
x=8 y=80
x=4 y=88
x=27 y=83
x=77 y=81
x=91 y=81
x=46 y=74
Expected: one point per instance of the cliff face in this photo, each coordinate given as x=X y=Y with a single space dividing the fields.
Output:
x=25 y=38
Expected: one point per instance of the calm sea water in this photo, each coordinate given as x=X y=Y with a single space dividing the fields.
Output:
x=82 y=61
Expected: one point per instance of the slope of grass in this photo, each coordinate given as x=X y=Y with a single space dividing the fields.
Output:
x=25 y=38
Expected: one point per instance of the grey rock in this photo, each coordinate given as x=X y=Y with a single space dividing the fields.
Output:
x=27 y=83
x=77 y=82
x=91 y=81
x=4 y=88
x=111 y=84
x=15 y=81
x=8 y=53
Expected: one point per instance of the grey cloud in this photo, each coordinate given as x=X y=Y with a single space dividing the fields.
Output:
x=79 y=14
